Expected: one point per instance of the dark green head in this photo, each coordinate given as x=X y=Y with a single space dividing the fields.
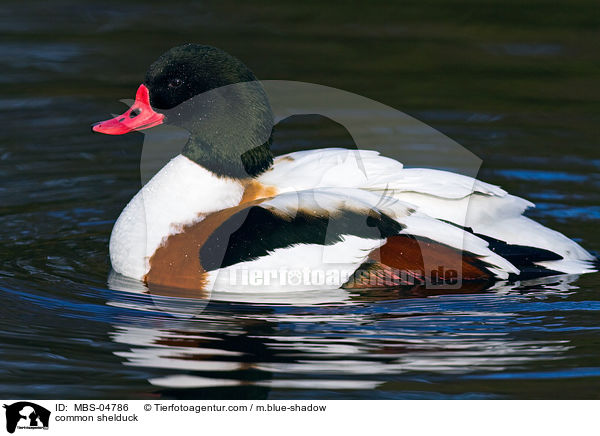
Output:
x=185 y=71
x=216 y=98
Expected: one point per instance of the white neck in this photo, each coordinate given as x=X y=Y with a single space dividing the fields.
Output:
x=181 y=193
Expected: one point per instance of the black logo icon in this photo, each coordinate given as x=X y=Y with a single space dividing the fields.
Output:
x=26 y=415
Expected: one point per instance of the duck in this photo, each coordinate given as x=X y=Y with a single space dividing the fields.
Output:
x=225 y=214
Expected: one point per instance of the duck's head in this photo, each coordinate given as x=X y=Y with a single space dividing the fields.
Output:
x=216 y=98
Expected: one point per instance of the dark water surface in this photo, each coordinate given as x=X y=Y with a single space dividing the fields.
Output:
x=517 y=84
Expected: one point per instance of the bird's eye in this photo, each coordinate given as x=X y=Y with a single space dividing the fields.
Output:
x=175 y=83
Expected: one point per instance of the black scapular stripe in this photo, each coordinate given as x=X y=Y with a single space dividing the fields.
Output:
x=255 y=231
x=519 y=254
x=523 y=257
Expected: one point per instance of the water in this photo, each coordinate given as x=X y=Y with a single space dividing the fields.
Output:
x=517 y=86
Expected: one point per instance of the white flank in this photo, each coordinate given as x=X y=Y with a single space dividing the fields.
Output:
x=301 y=267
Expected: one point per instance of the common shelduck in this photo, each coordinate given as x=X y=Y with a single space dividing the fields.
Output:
x=225 y=216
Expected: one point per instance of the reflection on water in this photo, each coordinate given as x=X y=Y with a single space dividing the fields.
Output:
x=341 y=341
x=517 y=86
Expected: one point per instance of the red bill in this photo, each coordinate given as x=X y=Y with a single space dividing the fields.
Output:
x=139 y=116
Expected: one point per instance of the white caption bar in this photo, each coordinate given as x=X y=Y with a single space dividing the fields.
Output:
x=24 y=417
